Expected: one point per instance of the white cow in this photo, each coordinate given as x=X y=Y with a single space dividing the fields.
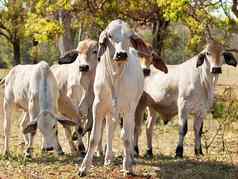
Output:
x=187 y=88
x=75 y=78
x=118 y=87
x=33 y=88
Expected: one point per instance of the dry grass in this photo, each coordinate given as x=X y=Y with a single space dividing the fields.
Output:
x=216 y=163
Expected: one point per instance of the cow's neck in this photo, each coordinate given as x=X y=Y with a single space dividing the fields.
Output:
x=113 y=73
x=209 y=81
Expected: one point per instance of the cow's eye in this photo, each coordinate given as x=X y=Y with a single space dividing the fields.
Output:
x=95 y=51
x=54 y=126
x=110 y=36
x=208 y=53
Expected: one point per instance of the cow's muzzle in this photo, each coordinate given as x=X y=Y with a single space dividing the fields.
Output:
x=146 y=71
x=121 y=56
x=216 y=70
x=83 y=68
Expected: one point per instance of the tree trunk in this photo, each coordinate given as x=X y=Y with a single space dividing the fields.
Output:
x=16 y=51
x=159 y=33
x=65 y=41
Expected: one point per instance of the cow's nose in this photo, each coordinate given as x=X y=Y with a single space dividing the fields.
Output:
x=146 y=71
x=83 y=68
x=121 y=56
x=216 y=70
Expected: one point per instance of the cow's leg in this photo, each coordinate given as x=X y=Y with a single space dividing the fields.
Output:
x=132 y=138
x=7 y=124
x=183 y=126
x=98 y=116
x=110 y=131
x=23 y=124
x=33 y=112
x=100 y=147
x=139 y=116
x=68 y=135
x=198 y=126
x=151 y=119
x=128 y=124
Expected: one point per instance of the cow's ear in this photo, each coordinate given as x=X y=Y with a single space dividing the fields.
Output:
x=200 y=60
x=230 y=59
x=139 y=44
x=159 y=63
x=103 y=42
x=69 y=57
x=30 y=127
x=66 y=122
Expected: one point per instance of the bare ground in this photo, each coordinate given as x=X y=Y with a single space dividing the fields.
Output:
x=220 y=160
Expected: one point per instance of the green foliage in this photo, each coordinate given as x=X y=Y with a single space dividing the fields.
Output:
x=41 y=29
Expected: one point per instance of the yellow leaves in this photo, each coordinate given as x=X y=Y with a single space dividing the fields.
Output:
x=173 y=9
x=41 y=28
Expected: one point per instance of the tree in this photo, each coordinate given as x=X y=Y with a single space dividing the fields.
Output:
x=12 y=18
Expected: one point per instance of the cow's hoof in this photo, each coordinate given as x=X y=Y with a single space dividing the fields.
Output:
x=107 y=162
x=136 y=149
x=82 y=173
x=28 y=153
x=60 y=153
x=198 y=152
x=47 y=149
x=82 y=154
x=148 y=154
x=128 y=174
x=6 y=154
x=179 y=152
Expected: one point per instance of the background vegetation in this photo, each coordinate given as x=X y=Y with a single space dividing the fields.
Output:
x=31 y=31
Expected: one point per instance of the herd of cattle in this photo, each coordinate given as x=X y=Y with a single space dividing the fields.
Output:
x=109 y=82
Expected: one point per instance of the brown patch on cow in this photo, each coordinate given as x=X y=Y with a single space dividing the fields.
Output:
x=215 y=49
x=86 y=45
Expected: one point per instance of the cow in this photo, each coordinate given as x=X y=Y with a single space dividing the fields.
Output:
x=188 y=88
x=118 y=87
x=33 y=89
x=75 y=75
x=147 y=57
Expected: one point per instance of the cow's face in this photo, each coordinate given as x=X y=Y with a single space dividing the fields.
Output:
x=47 y=124
x=215 y=57
x=116 y=37
x=85 y=56
x=153 y=59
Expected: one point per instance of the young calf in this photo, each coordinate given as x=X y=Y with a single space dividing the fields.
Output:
x=33 y=88
x=75 y=77
x=187 y=88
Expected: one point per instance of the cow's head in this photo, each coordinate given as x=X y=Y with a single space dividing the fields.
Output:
x=84 y=56
x=116 y=37
x=148 y=56
x=46 y=122
x=215 y=56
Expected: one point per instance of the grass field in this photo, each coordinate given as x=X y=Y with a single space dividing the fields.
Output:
x=219 y=162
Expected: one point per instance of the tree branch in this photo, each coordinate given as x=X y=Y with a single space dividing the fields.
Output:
x=5 y=35
x=234 y=8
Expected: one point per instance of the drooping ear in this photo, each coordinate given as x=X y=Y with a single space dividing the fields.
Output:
x=200 y=60
x=30 y=128
x=103 y=42
x=139 y=44
x=230 y=59
x=66 y=122
x=159 y=63
x=68 y=57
